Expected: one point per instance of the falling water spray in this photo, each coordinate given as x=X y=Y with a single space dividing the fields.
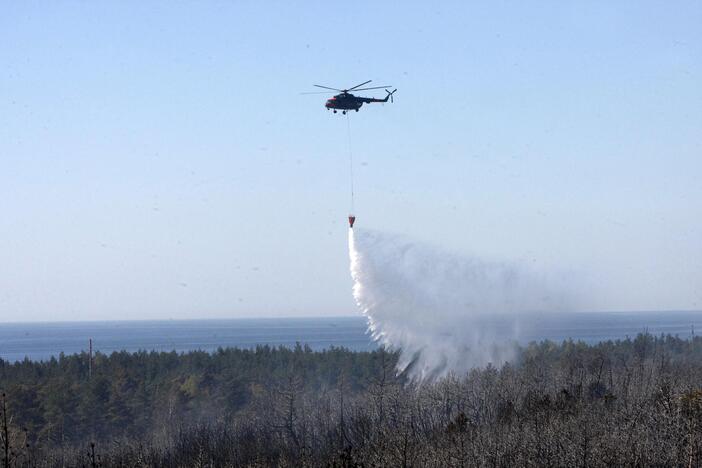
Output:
x=443 y=312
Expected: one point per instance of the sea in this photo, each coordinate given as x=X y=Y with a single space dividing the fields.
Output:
x=41 y=341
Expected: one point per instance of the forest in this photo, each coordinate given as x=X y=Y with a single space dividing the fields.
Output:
x=632 y=402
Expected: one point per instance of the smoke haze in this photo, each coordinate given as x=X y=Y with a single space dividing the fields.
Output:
x=445 y=312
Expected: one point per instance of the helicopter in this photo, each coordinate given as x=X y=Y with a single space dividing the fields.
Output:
x=346 y=101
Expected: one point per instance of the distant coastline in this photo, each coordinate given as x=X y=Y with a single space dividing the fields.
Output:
x=41 y=340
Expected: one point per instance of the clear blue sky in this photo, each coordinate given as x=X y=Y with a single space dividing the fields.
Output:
x=158 y=161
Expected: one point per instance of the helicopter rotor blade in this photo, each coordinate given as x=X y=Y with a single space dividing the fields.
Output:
x=327 y=87
x=365 y=82
x=375 y=87
x=321 y=92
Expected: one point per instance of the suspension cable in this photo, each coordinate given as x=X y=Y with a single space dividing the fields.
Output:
x=348 y=131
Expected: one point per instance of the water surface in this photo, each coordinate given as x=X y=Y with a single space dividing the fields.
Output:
x=40 y=341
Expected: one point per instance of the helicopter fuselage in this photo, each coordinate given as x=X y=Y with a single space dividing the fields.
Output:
x=347 y=101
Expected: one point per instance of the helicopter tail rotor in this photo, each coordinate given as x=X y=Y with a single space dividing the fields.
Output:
x=390 y=93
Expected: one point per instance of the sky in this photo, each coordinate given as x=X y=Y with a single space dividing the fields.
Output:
x=158 y=160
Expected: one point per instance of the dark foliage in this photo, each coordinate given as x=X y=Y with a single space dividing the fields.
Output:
x=631 y=402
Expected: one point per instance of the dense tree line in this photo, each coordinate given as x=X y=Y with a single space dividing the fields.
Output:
x=58 y=402
x=630 y=402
